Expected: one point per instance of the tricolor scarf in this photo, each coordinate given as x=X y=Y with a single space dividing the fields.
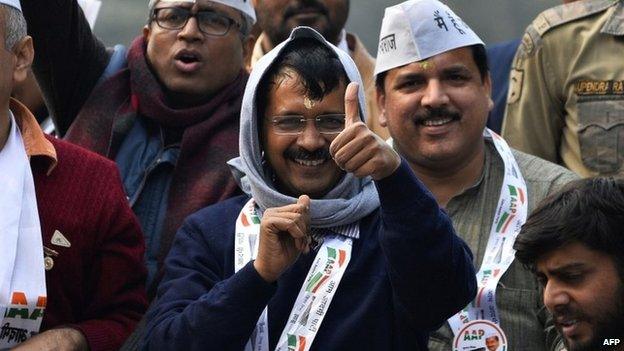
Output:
x=22 y=275
x=209 y=134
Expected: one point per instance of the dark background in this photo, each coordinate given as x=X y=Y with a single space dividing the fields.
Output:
x=493 y=20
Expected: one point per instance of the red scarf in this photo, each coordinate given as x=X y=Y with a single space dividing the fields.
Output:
x=209 y=134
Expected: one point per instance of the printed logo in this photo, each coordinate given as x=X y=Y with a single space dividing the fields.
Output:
x=387 y=44
x=19 y=307
x=487 y=274
x=253 y=217
x=611 y=342
x=517 y=195
x=333 y=257
x=480 y=335
x=59 y=239
x=296 y=342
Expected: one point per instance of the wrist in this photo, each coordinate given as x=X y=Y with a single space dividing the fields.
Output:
x=393 y=165
x=73 y=338
x=264 y=273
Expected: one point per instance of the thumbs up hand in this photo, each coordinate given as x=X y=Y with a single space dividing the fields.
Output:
x=357 y=149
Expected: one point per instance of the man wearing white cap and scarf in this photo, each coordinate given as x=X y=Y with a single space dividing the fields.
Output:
x=168 y=116
x=433 y=89
x=335 y=245
x=71 y=270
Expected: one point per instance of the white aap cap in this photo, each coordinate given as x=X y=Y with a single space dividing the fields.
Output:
x=243 y=6
x=416 y=30
x=12 y=3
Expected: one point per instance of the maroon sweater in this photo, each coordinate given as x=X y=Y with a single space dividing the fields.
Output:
x=97 y=284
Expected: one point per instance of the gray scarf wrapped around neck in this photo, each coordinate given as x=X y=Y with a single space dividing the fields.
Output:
x=349 y=201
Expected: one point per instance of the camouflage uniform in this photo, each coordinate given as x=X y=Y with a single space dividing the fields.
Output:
x=566 y=95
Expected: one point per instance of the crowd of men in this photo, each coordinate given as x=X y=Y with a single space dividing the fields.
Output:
x=246 y=176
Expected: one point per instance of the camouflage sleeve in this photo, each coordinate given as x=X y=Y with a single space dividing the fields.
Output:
x=533 y=119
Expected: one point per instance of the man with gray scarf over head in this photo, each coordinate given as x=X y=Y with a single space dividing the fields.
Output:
x=332 y=217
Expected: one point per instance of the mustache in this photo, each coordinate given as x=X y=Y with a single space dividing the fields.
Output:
x=567 y=313
x=303 y=154
x=299 y=6
x=434 y=112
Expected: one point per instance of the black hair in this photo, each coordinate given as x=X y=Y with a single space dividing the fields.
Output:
x=587 y=211
x=479 y=55
x=318 y=68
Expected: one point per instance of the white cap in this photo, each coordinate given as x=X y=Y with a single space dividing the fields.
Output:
x=416 y=30
x=12 y=3
x=243 y=6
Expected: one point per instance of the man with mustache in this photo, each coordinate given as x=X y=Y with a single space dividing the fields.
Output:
x=573 y=242
x=336 y=246
x=168 y=118
x=434 y=95
x=277 y=18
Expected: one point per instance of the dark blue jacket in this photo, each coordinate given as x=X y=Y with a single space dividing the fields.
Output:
x=408 y=273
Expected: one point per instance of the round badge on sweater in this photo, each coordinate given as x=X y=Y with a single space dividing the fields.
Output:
x=480 y=335
x=48 y=263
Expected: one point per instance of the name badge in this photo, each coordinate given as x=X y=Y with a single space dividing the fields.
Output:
x=480 y=335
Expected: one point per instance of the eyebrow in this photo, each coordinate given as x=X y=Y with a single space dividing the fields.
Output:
x=409 y=77
x=456 y=69
x=565 y=268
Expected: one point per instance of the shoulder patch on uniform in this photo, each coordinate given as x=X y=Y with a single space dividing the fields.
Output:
x=516 y=79
x=562 y=14
x=530 y=41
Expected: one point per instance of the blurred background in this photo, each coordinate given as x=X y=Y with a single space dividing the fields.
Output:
x=494 y=20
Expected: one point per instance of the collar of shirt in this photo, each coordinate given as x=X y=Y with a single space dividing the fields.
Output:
x=615 y=24
x=488 y=149
x=35 y=141
x=350 y=230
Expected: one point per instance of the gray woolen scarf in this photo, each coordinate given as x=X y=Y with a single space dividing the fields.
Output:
x=350 y=200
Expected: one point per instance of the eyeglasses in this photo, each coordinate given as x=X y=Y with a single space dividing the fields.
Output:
x=209 y=22
x=294 y=125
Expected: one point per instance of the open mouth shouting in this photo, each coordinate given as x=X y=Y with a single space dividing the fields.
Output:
x=188 y=61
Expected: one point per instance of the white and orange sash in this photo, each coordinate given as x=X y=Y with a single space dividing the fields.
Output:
x=315 y=295
x=22 y=274
x=511 y=212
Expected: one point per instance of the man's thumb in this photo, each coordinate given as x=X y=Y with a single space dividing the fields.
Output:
x=304 y=200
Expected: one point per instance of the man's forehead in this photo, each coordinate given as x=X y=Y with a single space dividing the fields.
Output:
x=178 y=1
x=240 y=6
x=200 y=4
x=448 y=61
x=570 y=256
x=185 y=3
